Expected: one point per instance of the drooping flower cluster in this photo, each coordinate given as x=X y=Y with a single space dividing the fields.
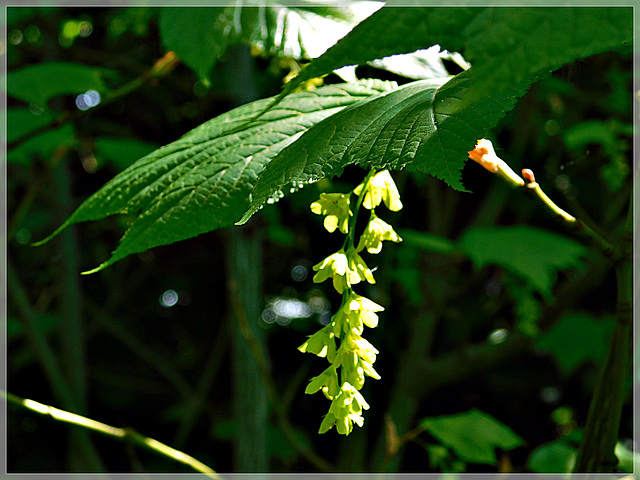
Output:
x=341 y=342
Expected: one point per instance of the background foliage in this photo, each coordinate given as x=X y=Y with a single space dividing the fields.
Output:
x=495 y=317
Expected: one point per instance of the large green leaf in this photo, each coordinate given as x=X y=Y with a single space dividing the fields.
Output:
x=510 y=45
x=391 y=31
x=401 y=127
x=429 y=124
x=473 y=435
x=200 y=36
x=506 y=45
x=530 y=253
x=40 y=83
x=203 y=180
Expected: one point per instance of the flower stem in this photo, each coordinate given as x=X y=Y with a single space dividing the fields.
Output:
x=351 y=234
x=575 y=224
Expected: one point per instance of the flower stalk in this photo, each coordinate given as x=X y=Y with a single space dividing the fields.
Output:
x=485 y=155
x=351 y=356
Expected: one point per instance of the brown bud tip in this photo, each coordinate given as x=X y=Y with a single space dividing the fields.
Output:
x=528 y=175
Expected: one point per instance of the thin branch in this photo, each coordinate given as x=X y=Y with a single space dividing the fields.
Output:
x=485 y=155
x=575 y=224
x=124 y=434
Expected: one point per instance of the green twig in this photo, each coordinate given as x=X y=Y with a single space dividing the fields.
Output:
x=575 y=225
x=125 y=434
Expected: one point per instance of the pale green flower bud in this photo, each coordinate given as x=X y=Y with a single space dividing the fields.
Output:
x=345 y=410
x=376 y=231
x=381 y=187
x=327 y=423
x=356 y=369
x=362 y=348
x=321 y=344
x=327 y=381
x=355 y=312
x=358 y=270
x=345 y=269
x=336 y=208
x=366 y=309
x=334 y=266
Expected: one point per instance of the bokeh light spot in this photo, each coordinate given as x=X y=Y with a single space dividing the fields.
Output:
x=169 y=298
x=87 y=100
x=299 y=273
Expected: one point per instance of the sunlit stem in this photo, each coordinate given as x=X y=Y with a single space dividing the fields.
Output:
x=120 y=433
x=577 y=225
x=549 y=203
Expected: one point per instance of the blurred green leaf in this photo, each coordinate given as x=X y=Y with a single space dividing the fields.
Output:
x=441 y=458
x=527 y=306
x=407 y=272
x=429 y=242
x=200 y=36
x=41 y=82
x=615 y=172
x=532 y=254
x=133 y=19
x=591 y=131
x=21 y=121
x=203 y=180
x=553 y=457
x=122 y=152
x=577 y=338
x=607 y=134
x=43 y=145
x=473 y=435
x=18 y=14
x=42 y=321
